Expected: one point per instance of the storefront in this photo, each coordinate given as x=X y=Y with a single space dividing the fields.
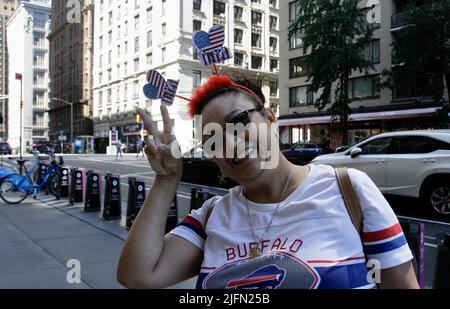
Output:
x=131 y=134
x=322 y=130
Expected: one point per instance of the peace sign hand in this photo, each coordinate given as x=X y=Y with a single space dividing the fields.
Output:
x=159 y=151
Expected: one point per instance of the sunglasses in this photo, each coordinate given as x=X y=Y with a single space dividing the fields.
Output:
x=243 y=118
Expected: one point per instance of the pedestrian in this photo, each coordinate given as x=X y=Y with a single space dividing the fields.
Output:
x=118 y=149
x=124 y=148
x=140 y=147
x=283 y=227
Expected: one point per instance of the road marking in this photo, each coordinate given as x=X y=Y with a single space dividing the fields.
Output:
x=138 y=174
x=119 y=163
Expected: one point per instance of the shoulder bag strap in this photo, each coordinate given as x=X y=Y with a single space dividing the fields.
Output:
x=350 y=198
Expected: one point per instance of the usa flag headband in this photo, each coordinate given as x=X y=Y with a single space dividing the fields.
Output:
x=211 y=52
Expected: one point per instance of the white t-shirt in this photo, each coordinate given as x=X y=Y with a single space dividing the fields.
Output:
x=311 y=243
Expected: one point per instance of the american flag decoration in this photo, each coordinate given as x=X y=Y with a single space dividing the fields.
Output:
x=159 y=88
x=210 y=46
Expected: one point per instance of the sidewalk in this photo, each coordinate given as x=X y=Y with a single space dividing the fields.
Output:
x=37 y=240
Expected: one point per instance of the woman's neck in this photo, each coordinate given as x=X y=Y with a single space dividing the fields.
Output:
x=268 y=187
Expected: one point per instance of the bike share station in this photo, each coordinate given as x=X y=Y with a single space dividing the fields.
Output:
x=96 y=199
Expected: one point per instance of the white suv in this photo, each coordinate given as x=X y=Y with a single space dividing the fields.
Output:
x=408 y=163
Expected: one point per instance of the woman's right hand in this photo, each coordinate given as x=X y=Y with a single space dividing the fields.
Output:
x=159 y=151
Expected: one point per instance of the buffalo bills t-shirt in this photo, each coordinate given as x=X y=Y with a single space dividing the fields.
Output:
x=311 y=243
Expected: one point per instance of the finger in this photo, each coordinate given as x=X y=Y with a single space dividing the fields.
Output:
x=166 y=119
x=153 y=149
x=150 y=154
x=149 y=123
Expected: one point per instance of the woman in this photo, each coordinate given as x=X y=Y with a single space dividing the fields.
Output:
x=285 y=227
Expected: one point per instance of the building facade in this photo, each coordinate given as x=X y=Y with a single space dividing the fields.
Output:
x=7 y=7
x=71 y=60
x=132 y=37
x=374 y=110
x=27 y=31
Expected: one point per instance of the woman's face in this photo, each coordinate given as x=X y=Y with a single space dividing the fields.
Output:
x=243 y=154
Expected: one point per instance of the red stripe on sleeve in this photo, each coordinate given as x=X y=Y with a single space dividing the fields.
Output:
x=382 y=234
x=194 y=221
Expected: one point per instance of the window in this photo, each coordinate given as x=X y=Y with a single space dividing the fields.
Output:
x=273 y=22
x=273 y=3
x=197 y=79
x=163 y=54
x=136 y=44
x=149 y=15
x=163 y=30
x=149 y=38
x=299 y=96
x=296 y=40
x=163 y=6
x=238 y=59
x=238 y=12
x=136 y=22
x=273 y=65
x=273 y=85
x=273 y=44
x=149 y=59
x=135 y=89
x=293 y=10
x=197 y=5
x=256 y=63
x=136 y=64
x=376 y=147
x=372 y=52
x=256 y=18
x=364 y=87
x=412 y=145
x=238 y=34
x=196 y=25
x=256 y=40
x=297 y=67
x=219 y=8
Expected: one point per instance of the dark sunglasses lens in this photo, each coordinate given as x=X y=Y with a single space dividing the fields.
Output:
x=242 y=118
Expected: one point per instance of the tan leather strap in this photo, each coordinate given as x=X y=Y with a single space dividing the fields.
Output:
x=350 y=198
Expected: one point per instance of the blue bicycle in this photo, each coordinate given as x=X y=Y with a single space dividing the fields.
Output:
x=14 y=187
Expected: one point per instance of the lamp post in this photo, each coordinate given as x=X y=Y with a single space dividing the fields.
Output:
x=71 y=119
x=3 y=97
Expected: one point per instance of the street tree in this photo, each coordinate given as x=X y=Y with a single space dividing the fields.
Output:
x=421 y=49
x=334 y=32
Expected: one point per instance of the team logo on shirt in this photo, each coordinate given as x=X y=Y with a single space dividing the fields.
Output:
x=267 y=277
x=276 y=270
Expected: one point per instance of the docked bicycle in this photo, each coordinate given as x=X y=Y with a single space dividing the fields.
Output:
x=16 y=187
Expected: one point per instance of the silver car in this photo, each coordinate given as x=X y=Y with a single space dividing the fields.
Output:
x=409 y=163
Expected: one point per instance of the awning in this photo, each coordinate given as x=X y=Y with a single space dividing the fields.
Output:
x=407 y=113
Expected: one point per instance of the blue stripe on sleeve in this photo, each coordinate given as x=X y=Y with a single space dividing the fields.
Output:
x=386 y=246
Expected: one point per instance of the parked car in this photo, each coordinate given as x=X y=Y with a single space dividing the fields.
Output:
x=410 y=163
x=5 y=149
x=199 y=170
x=303 y=152
x=343 y=148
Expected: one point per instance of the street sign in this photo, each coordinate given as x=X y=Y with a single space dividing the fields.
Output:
x=18 y=76
x=62 y=138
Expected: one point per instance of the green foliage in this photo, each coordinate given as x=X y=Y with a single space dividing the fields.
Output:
x=334 y=34
x=422 y=51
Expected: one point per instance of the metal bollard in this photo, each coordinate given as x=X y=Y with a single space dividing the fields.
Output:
x=92 y=201
x=112 y=208
x=136 y=198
